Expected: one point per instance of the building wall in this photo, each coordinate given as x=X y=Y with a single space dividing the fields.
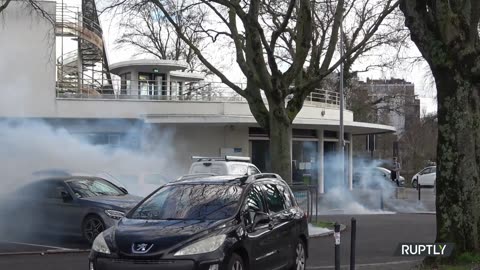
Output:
x=27 y=65
x=191 y=140
x=399 y=105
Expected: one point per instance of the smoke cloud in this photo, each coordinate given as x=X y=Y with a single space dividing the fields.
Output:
x=373 y=191
x=30 y=146
x=31 y=150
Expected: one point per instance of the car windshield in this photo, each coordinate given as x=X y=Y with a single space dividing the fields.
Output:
x=190 y=202
x=93 y=187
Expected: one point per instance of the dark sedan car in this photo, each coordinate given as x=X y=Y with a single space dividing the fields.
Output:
x=67 y=205
x=209 y=223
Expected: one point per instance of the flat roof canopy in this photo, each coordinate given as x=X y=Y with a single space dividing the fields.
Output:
x=355 y=128
x=147 y=65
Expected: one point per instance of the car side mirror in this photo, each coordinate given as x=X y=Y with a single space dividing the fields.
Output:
x=65 y=196
x=124 y=190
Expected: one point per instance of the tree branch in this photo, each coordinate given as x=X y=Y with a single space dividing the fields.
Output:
x=217 y=72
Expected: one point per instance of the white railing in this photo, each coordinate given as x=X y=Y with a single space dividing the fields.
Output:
x=173 y=91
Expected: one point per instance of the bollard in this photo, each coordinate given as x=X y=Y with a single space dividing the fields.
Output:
x=336 y=235
x=381 y=199
x=419 y=192
x=353 y=243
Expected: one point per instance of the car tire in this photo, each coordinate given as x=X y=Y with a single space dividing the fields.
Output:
x=92 y=226
x=299 y=256
x=415 y=183
x=235 y=263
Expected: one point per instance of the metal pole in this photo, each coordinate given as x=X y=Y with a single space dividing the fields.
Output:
x=337 y=246
x=341 y=134
x=353 y=244
x=381 y=198
x=419 y=192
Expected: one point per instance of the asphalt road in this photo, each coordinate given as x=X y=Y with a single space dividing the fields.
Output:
x=377 y=239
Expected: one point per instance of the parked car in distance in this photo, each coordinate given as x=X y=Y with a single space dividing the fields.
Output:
x=426 y=177
x=373 y=177
x=66 y=205
x=228 y=165
x=209 y=222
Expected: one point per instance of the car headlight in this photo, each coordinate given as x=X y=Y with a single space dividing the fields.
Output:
x=115 y=214
x=203 y=246
x=99 y=244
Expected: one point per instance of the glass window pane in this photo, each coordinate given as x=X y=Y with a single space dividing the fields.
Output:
x=275 y=199
x=253 y=204
x=286 y=196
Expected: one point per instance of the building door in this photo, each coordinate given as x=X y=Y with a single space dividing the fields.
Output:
x=147 y=84
x=330 y=165
x=304 y=162
x=260 y=150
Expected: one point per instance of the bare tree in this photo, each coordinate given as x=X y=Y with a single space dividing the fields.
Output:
x=33 y=5
x=148 y=30
x=284 y=48
x=447 y=35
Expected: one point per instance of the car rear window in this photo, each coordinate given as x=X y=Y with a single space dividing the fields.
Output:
x=238 y=169
x=207 y=167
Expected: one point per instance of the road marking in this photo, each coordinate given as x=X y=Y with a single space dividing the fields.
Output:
x=364 y=265
x=35 y=245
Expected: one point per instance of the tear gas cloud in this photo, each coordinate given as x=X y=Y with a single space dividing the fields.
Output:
x=30 y=146
x=371 y=182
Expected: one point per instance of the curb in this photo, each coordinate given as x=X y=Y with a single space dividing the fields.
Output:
x=342 y=228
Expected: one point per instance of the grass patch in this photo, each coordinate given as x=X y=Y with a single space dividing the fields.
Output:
x=464 y=261
x=469 y=258
x=324 y=224
x=450 y=267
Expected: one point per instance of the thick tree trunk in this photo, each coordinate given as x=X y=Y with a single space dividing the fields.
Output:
x=458 y=170
x=280 y=143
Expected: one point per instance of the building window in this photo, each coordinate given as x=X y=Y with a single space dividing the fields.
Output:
x=304 y=133
x=112 y=139
x=125 y=82
x=330 y=134
x=296 y=133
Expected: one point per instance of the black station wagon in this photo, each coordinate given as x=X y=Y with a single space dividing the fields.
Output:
x=209 y=223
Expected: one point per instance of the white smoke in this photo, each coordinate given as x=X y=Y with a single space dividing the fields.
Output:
x=373 y=190
x=29 y=146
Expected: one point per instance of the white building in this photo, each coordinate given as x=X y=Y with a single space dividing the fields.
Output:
x=152 y=96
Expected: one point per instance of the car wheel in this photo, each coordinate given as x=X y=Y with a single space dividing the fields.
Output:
x=91 y=227
x=300 y=258
x=235 y=263
x=415 y=183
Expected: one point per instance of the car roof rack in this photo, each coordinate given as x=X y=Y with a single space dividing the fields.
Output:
x=263 y=175
x=226 y=158
x=195 y=175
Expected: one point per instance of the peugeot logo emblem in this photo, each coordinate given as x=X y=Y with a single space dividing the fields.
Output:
x=141 y=248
